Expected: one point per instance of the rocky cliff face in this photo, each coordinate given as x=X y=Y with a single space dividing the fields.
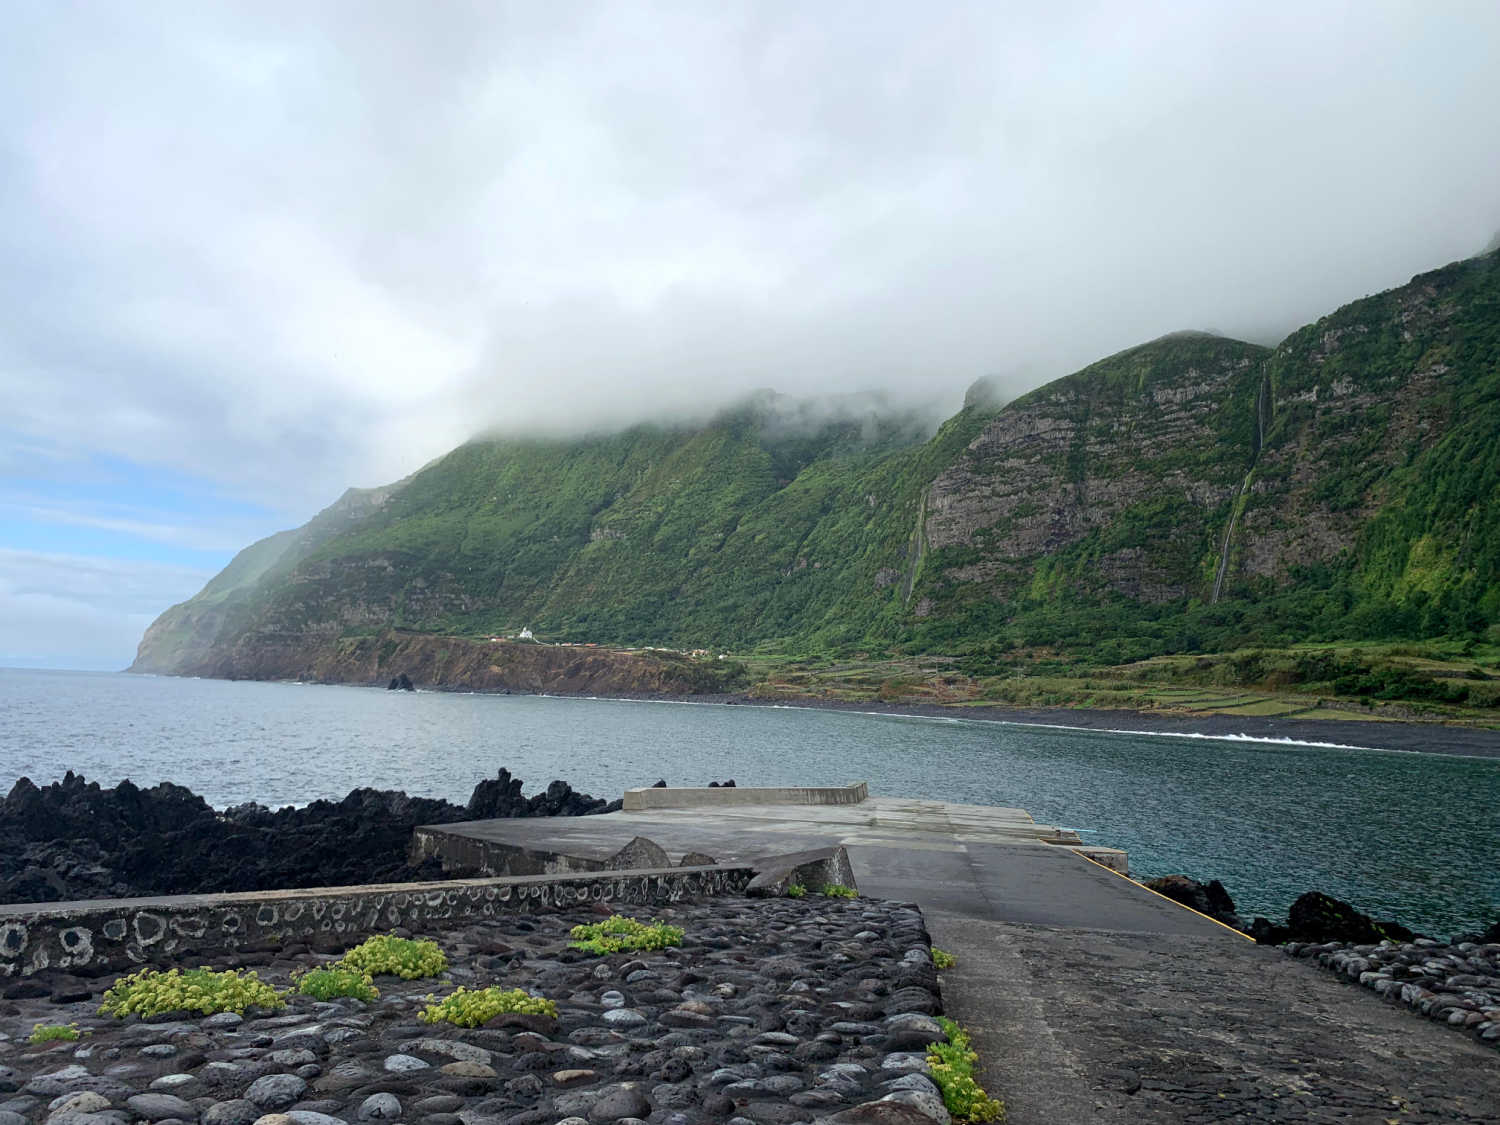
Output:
x=1192 y=492
x=1380 y=427
x=1111 y=480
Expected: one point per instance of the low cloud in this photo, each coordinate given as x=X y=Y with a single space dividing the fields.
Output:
x=287 y=248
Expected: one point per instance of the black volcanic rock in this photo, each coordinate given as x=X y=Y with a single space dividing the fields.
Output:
x=75 y=840
x=1316 y=917
x=1490 y=936
x=501 y=797
x=401 y=683
x=1206 y=898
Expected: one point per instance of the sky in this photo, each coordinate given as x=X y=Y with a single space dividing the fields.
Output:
x=252 y=254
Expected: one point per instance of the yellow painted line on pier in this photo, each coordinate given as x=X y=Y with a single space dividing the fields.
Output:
x=1165 y=898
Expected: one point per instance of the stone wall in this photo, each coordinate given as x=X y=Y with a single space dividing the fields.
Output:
x=111 y=935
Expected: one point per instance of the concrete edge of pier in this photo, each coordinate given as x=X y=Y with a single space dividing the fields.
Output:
x=720 y=796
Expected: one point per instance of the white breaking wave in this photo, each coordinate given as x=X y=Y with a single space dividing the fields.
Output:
x=1268 y=739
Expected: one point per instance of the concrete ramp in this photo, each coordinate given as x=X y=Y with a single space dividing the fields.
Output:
x=990 y=863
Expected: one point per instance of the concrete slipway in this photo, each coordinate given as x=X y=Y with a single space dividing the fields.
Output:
x=1089 y=997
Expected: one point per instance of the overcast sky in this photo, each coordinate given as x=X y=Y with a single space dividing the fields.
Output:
x=252 y=254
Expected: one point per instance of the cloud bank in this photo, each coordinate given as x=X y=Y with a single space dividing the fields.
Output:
x=277 y=249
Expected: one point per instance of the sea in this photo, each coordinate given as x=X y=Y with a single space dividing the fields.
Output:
x=1406 y=835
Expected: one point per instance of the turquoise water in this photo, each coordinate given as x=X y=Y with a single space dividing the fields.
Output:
x=1399 y=834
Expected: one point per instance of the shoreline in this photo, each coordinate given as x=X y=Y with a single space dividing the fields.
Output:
x=1354 y=734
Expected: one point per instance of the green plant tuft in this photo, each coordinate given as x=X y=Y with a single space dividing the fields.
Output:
x=618 y=934
x=150 y=993
x=337 y=979
x=48 y=1032
x=795 y=890
x=838 y=890
x=943 y=959
x=389 y=955
x=951 y=1066
x=465 y=1008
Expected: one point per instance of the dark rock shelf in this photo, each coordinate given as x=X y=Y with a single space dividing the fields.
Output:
x=76 y=840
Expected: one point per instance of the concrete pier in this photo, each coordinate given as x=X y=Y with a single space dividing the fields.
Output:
x=994 y=863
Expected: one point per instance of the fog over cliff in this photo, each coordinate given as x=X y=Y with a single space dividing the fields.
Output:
x=316 y=246
x=270 y=249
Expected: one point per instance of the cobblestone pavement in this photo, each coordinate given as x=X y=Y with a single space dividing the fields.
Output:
x=772 y=1012
x=1092 y=1026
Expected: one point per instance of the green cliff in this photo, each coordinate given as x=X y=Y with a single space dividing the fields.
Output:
x=1192 y=493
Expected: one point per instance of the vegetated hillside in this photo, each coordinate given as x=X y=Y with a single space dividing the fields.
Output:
x=1191 y=493
x=770 y=521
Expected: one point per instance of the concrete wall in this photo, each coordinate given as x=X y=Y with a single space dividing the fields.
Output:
x=118 y=934
x=478 y=855
x=812 y=870
x=637 y=800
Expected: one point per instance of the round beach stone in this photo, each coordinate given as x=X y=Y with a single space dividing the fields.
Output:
x=612 y=999
x=453 y=1048
x=160 y=1107
x=9 y=1117
x=526 y=1086
x=276 y=1091
x=929 y=1104
x=403 y=1064
x=236 y=1111
x=380 y=1107
x=310 y=1117
x=173 y=1083
x=221 y=1020
x=904 y=1060
x=879 y=1113
x=912 y=1081
x=57 y=1081
x=746 y=1088
x=624 y=1017
x=624 y=1100
x=905 y=1000
x=84 y=1102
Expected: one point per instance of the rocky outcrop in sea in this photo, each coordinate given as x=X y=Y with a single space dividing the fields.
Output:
x=1206 y=898
x=1318 y=917
x=74 y=839
x=1314 y=917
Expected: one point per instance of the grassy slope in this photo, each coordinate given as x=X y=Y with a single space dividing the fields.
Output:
x=732 y=534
